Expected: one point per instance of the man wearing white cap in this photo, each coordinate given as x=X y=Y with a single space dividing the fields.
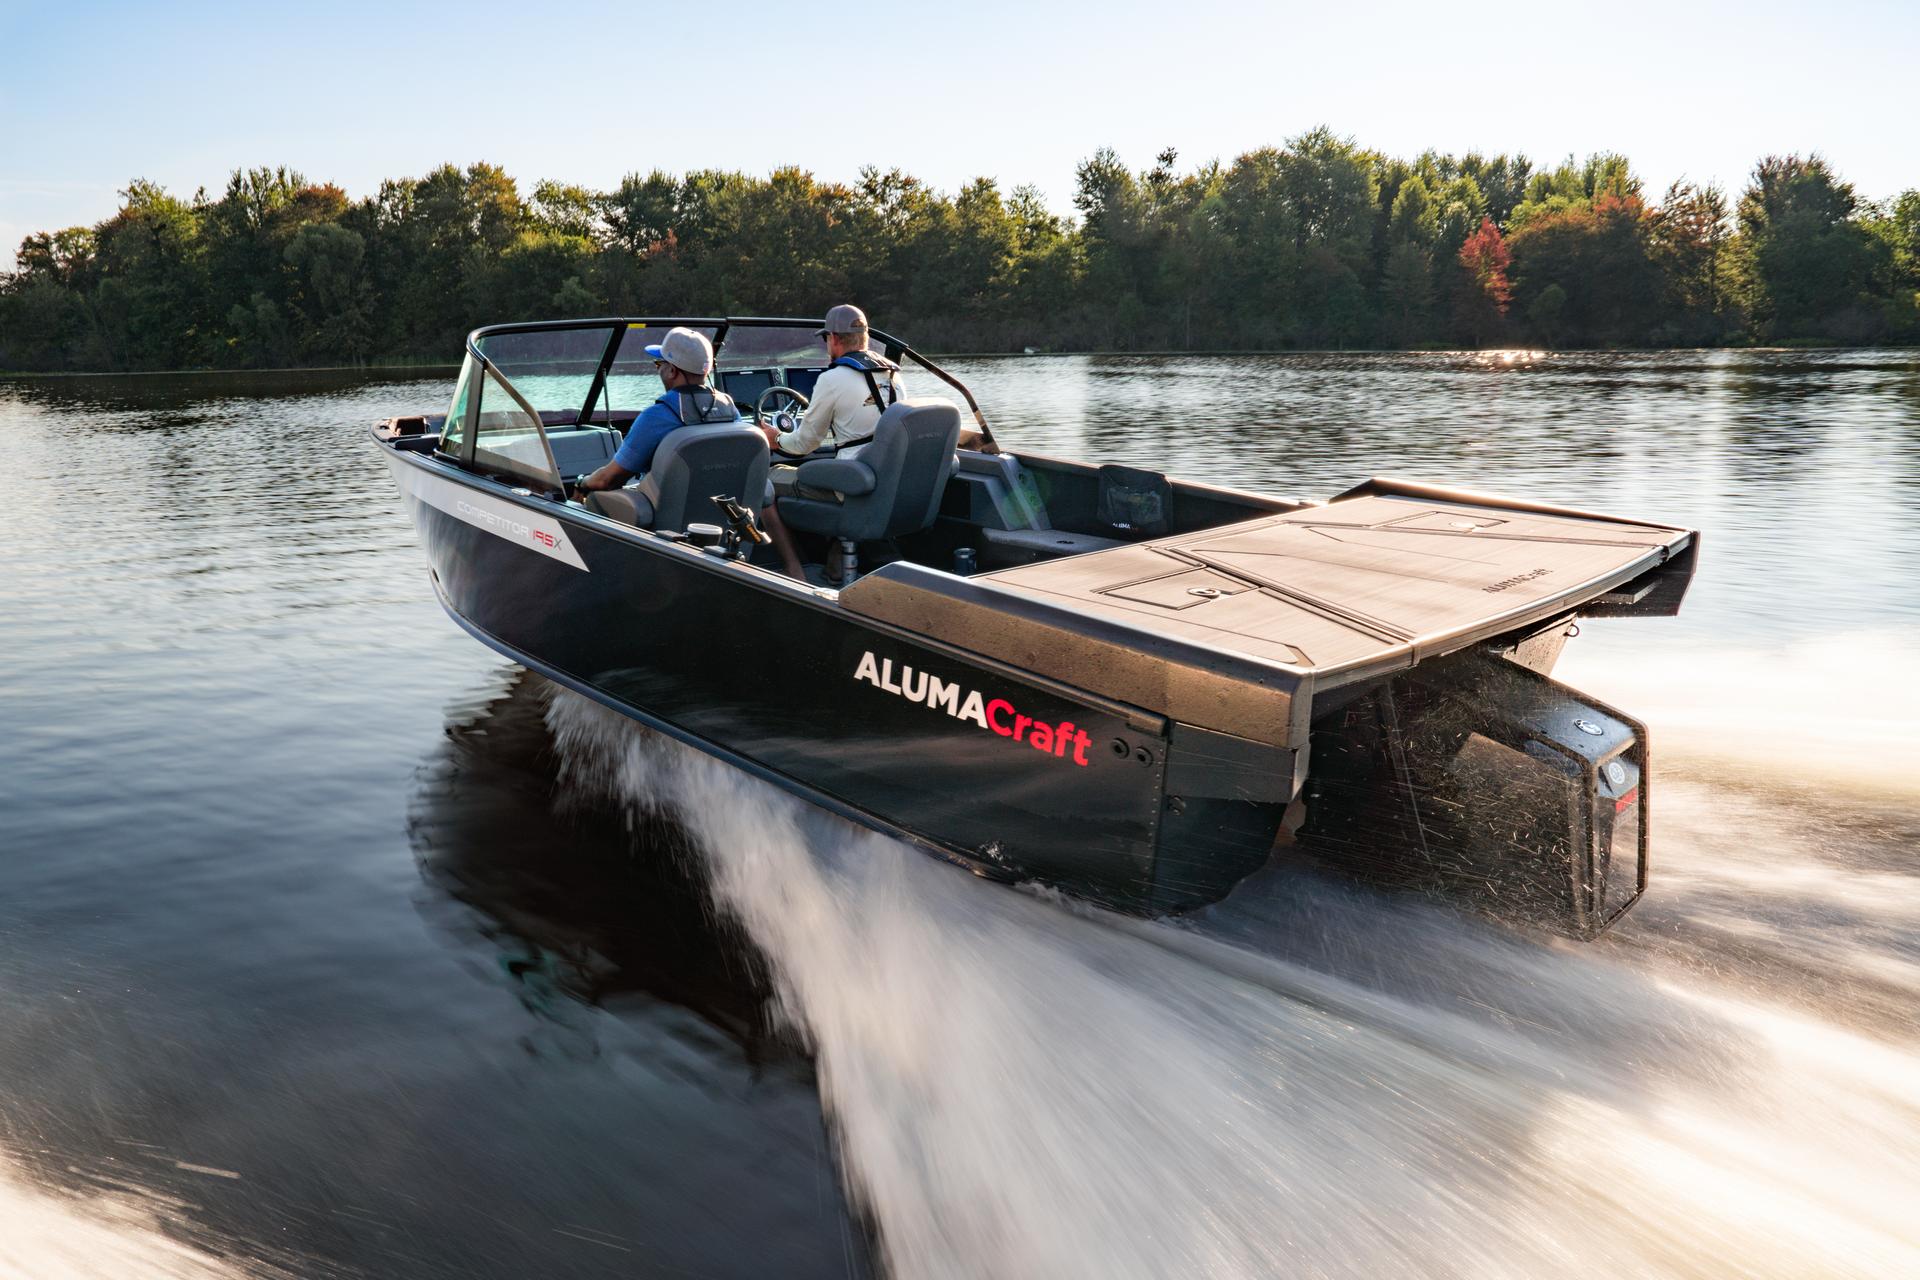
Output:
x=683 y=359
x=850 y=396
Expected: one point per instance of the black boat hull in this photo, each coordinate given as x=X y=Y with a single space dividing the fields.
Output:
x=1121 y=697
x=1011 y=775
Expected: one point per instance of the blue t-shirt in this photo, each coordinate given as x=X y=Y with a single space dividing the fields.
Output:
x=655 y=423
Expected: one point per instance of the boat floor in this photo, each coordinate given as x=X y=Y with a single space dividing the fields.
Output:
x=1346 y=585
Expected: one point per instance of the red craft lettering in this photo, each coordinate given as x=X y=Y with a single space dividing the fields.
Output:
x=997 y=716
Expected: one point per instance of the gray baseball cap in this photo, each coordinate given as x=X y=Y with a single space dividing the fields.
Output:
x=684 y=349
x=845 y=318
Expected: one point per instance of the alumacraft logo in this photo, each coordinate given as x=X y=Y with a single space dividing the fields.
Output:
x=1516 y=580
x=503 y=523
x=995 y=715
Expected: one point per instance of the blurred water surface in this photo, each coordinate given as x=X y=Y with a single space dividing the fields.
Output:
x=333 y=945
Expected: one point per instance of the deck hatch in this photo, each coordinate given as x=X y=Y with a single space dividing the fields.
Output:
x=1446 y=522
x=1186 y=590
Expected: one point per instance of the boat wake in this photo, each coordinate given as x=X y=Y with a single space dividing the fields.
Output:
x=106 y=1235
x=1312 y=1079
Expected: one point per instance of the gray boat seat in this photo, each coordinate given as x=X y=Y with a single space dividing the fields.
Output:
x=891 y=487
x=692 y=466
x=579 y=451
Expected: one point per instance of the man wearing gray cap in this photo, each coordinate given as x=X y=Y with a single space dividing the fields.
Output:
x=850 y=396
x=683 y=359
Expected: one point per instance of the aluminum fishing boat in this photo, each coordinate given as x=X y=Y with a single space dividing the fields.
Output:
x=1133 y=687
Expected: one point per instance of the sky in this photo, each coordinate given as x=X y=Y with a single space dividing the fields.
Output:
x=93 y=95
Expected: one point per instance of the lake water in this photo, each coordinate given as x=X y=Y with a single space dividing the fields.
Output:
x=331 y=944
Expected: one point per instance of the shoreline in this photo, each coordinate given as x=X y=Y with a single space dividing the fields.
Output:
x=1214 y=353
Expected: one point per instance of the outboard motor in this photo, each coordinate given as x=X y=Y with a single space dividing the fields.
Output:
x=1486 y=781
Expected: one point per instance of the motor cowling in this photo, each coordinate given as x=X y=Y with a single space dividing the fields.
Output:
x=1483 y=780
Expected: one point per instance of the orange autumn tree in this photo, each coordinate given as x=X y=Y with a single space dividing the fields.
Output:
x=1483 y=304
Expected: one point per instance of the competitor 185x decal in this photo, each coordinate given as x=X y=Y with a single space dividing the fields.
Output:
x=497 y=516
x=995 y=715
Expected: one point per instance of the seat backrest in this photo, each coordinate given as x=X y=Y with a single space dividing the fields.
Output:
x=911 y=456
x=695 y=464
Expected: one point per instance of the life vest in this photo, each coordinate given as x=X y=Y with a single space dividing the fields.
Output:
x=869 y=364
x=693 y=405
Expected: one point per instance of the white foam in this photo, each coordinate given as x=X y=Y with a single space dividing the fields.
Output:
x=45 y=1233
x=1842 y=711
x=1302 y=1081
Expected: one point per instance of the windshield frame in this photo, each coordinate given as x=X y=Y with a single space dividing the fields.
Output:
x=619 y=327
x=894 y=348
x=615 y=331
x=469 y=455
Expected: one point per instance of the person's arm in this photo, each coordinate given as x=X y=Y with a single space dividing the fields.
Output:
x=636 y=451
x=821 y=410
x=611 y=476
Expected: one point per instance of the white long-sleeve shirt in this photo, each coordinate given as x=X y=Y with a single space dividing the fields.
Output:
x=841 y=407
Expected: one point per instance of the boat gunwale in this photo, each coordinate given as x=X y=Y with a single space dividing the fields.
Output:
x=1142 y=719
x=1300 y=685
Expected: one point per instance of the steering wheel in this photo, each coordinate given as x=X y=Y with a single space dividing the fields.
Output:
x=779 y=403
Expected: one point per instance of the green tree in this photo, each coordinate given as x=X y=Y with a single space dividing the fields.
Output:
x=1414 y=218
x=1599 y=254
x=1809 y=264
x=1046 y=273
x=1406 y=294
x=1688 y=237
x=641 y=213
x=1903 y=236
x=1328 y=189
x=777 y=247
x=560 y=209
x=259 y=335
x=1316 y=242
x=1543 y=313
x=156 y=316
x=331 y=300
x=1897 y=228
x=1262 y=252
x=1576 y=186
x=1115 y=235
x=1502 y=181
x=42 y=322
x=64 y=258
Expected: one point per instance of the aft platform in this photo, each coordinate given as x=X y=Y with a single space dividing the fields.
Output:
x=1378 y=580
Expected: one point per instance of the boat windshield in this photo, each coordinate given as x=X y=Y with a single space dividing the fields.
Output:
x=632 y=384
x=766 y=346
x=490 y=424
x=552 y=369
x=507 y=436
x=520 y=380
x=453 y=435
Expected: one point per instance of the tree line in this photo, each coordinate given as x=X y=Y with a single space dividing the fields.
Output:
x=1319 y=243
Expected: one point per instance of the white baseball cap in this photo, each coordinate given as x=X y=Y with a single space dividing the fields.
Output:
x=685 y=350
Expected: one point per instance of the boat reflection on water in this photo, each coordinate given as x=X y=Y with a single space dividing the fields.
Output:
x=711 y=1150
x=581 y=905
